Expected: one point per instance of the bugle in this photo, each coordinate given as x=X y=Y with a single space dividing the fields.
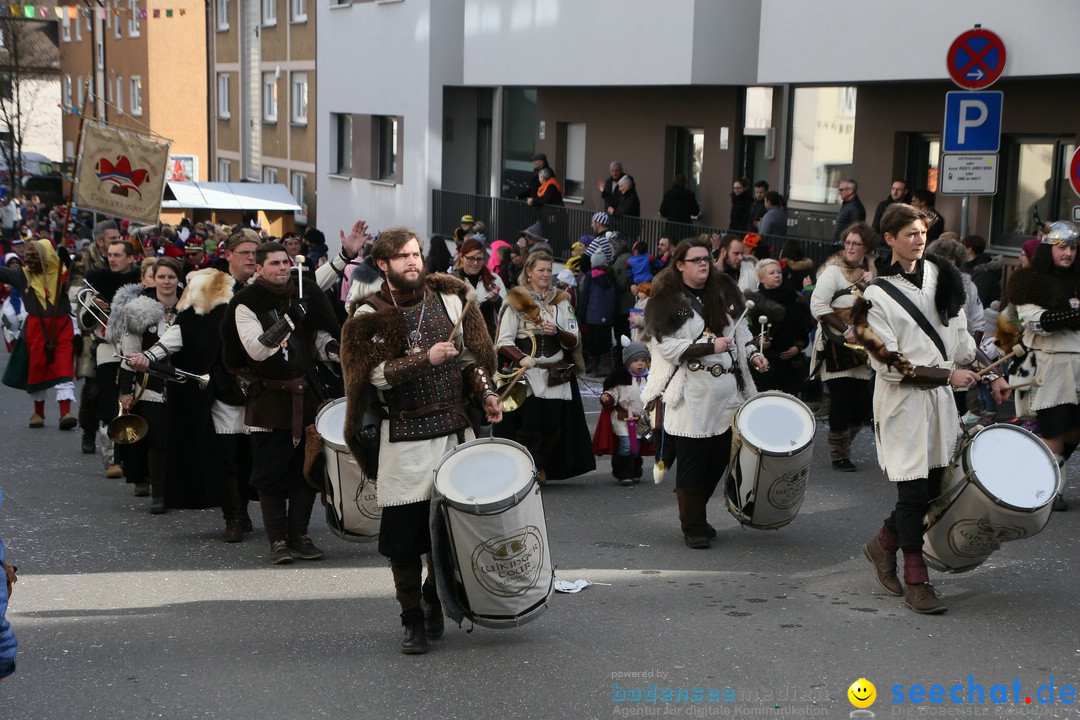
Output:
x=85 y=298
x=167 y=372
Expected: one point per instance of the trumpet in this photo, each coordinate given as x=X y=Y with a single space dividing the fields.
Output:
x=85 y=298
x=172 y=374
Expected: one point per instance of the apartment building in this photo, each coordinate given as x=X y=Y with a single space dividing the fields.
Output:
x=145 y=69
x=263 y=111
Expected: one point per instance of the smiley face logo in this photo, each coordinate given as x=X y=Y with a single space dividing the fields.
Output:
x=862 y=693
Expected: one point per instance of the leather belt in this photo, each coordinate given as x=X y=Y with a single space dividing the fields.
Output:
x=714 y=370
x=427 y=410
x=296 y=388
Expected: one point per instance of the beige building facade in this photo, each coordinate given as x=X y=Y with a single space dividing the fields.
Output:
x=144 y=70
x=263 y=95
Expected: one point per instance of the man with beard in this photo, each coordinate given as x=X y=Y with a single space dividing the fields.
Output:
x=898 y=192
x=730 y=252
x=1046 y=299
x=275 y=333
x=403 y=351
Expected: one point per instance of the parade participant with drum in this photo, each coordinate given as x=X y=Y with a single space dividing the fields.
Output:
x=704 y=357
x=911 y=322
x=275 y=330
x=1045 y=296
x=404 y=353
x=842 y=279
x=539 y=334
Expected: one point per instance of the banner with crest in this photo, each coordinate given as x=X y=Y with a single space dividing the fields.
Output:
x=121 y=173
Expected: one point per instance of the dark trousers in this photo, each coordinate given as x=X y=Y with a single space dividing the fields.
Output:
x=408 y=589
x=88 y=406
x=701 y=462
x=912 y=500
x=285 y=497
x=851 y=403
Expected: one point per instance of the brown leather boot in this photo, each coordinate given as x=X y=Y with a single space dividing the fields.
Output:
x=881 y=551
x=921 y=595
x=692 y=518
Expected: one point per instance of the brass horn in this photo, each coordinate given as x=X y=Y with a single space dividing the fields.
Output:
x=85 y=298
x=126 y=428
x=512 y=388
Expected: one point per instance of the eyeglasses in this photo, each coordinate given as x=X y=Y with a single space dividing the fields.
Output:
x=474 y=258
x=738 y=188
x=843 y=188
x=700 y=260
x=853 y=243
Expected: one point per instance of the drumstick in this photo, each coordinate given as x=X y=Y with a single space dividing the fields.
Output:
x=748 y=308
x=762 y=319
x=470 y=298
x=1017 y=352
x=1034 y=382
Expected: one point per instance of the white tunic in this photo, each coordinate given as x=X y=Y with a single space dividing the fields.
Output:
x=512 y=325
x=829 y=282
x=406 y=469
x=628 y=397
x=1055 y=360
x=698 y=404
x=915 y=428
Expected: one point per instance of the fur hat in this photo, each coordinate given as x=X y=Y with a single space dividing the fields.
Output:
x=633 y=350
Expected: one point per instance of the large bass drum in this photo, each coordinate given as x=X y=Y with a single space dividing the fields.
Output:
x=1001 y=488
x=352 y=511
x=490 y=506
x=771 y=451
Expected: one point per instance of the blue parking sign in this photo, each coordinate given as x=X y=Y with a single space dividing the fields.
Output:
x=972 y=122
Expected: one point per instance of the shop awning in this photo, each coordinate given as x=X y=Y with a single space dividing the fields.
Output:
x=229 y=196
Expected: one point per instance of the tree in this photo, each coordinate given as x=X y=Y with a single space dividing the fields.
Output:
x=29 y=54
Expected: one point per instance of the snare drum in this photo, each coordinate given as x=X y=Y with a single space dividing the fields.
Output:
x=494 y=519
x=770 y=459
x=351 y=508
x=1002 y=488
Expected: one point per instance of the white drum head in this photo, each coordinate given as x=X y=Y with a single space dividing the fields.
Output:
x=775 y=422
x=484 y=472
x=1013 y=466
x=330 y=422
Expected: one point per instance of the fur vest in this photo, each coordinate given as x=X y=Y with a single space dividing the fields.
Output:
x=371 y=338
x=669 y=306
x=117 y=327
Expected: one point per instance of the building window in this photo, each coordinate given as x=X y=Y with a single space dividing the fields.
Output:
x=299 y=189
x=224 y=170
x=823 y=142
x=298 y=10
x=118 y=100
x=299 y=98
x=574 y=162
x=115 y=18
x=269 y=12
x=223 y=96
x=1033 y=180
x=221 y=14
x=77 y=24
x=269 y=175
x=388 y=144
x=133 y=21
x=80 y=91
x=269 y=97
x=341 y=149
x=689 y=155
x=67 y=91
x=87 y=19
x=136 y=95
x=65 y=26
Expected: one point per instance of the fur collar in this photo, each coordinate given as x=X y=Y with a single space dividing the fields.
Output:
x=949 y=295
x=206 y=289
x=669 y=307
x=852 y=273
x=1050 y=290
x=114 y=331
x=142 y=313
x=523 y=301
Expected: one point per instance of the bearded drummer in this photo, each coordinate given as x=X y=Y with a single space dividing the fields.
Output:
x=404 y=352
x=1045 y=296
x=911 y=320
x=701 y=364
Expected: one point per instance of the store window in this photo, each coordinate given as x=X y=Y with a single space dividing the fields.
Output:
x=823 y=142
x=1033 y=181
x=574 y=162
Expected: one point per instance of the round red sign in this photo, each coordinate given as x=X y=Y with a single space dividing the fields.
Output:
x=976 y=59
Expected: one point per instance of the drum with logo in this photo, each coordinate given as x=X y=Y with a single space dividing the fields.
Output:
x=770 y=459
x=352 y=511
x=494 y=518
x=1001 y=488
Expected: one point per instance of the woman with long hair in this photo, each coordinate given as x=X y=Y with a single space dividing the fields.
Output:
x=489 y=287
x=538 y=333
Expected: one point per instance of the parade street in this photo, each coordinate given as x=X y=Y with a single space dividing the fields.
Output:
x=124 y=614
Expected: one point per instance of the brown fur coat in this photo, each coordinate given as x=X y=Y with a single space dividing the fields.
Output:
x=369 y=339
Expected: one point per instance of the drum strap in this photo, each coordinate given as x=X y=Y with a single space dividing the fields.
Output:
x=902 y=300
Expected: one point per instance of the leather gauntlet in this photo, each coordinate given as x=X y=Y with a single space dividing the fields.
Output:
x=514 y=353
x=927 y=377
x=697 y=350
x=1052 y=320
x=478 y=380
x=566 y=338
x=835 y=322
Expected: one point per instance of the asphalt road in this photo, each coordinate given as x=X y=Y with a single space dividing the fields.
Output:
x=121 y=614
